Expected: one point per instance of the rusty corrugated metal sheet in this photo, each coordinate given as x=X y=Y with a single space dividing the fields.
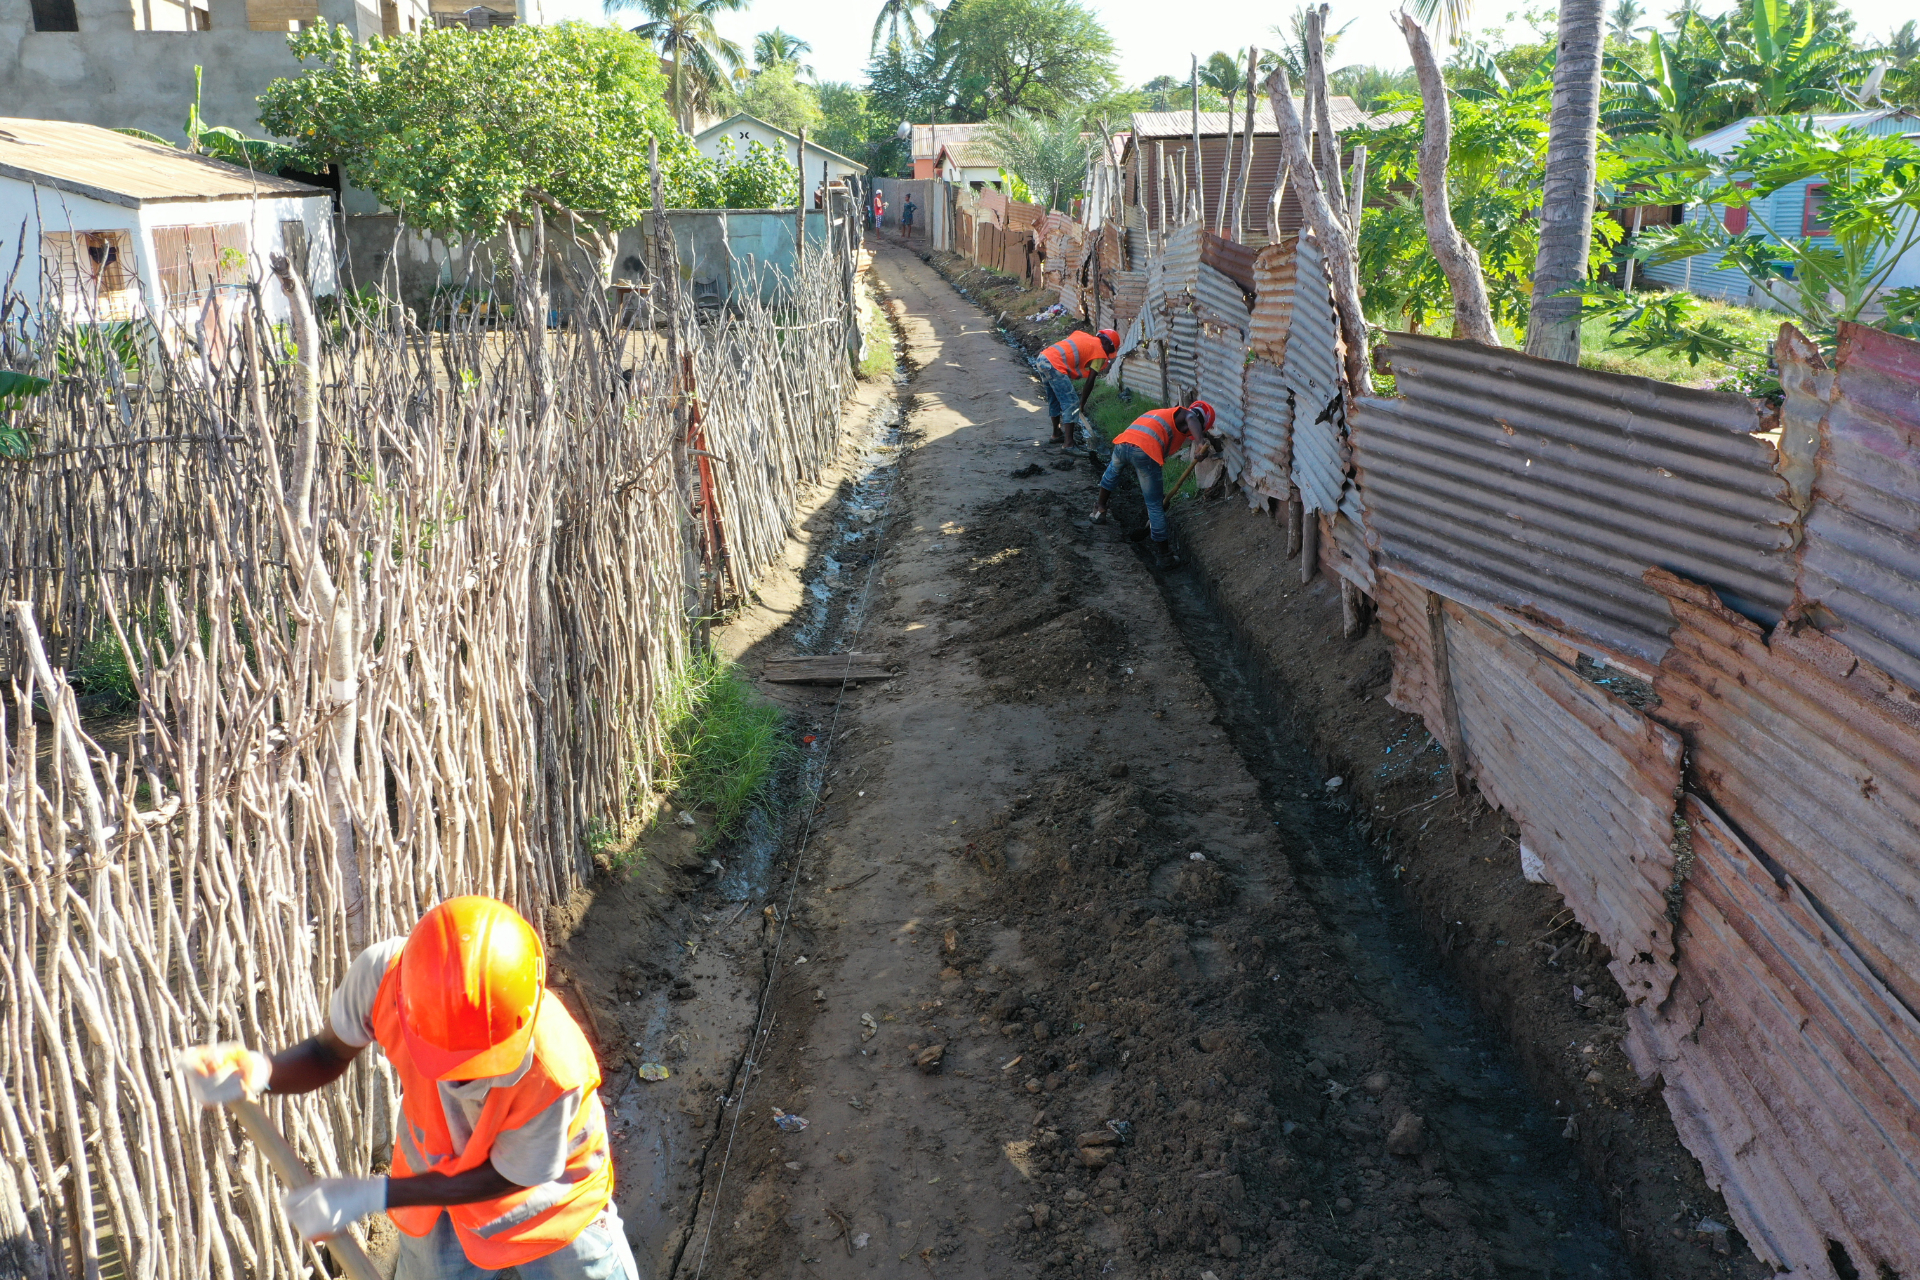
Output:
x=1022 y=216
x=1180 y=261
x=1273 y=269
x=1221 y=374
x=1790 y=1070
x=1234 y=261
x=1350 y=535
x=1537 y=488
x=1401 y=605
x=1590 y=780
x=1218 y=300
x=1267 y=430
x=1815 y=755
x=1860 y=560
x=1129 y=294
x=1183 y=345
x=1140 y=374
x=1312 y=369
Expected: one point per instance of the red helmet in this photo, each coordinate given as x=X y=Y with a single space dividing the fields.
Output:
x=1109 y=338
x=471 y=977
x=1205 y=410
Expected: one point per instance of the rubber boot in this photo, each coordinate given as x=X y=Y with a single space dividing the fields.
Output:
x=1164 y=556
x=1099 y=515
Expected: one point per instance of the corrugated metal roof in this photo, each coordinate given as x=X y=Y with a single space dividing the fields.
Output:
x=1152 y=126
x=1790 y=1071
x=112 y=167
x=1544 y=490
x=1860 y=559
x=1815 y=755
x=1888 y=120
x=1590 y=780
x=1221 y=374
x=1267 y=430
x=928 y=137
x=1312 y=368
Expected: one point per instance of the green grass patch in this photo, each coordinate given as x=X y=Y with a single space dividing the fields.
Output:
x=1111 y=415
x=724 y=742
x=879 y=360
x=1601 y=349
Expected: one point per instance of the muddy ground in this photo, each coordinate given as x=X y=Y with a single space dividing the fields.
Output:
x=1125 y=931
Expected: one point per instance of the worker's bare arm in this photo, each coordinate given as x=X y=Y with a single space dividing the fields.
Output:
x=314 y=1063
x=429 y=1189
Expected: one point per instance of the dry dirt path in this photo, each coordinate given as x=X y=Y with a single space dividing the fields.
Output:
x=1050 y=995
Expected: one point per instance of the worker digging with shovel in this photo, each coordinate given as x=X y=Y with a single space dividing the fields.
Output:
x=1145 y=446
x=501 y=1157
x=1078 y=355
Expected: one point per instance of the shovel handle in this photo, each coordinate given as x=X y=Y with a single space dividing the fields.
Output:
x=293 y=1171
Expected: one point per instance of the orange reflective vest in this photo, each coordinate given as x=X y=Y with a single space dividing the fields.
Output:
x=1076 y=354
x=1157 y=434
x=530 y=1222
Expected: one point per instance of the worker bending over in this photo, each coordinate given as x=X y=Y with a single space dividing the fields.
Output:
x=501 y=1124
x=1145 y=446
x=1078 y=355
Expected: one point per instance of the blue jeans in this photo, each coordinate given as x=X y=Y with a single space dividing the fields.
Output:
x=1152 y=483
x=598 y=1253
x=1063 y=402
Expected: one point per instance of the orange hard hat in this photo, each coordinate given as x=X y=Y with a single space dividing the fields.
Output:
x=1110 y=337
x=471 y=977
x=1205 y=410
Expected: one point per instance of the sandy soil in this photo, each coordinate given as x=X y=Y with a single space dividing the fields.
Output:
x=1094 y=956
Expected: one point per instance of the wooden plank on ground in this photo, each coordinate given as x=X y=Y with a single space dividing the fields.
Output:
x=826 y=668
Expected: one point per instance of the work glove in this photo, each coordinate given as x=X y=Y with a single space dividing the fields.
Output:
x=220 y=1073
x=329 y=1206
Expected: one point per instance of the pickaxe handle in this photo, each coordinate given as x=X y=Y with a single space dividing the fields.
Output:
x=286 y=1162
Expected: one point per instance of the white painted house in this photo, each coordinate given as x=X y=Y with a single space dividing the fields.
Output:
x=109 y=227
x=741 y=129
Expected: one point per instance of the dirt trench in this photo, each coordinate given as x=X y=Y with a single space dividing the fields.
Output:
x=1075 y=960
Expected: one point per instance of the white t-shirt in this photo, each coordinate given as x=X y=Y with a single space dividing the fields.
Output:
x=534 y=1153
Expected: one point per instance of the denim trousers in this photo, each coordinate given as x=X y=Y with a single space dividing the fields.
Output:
x=598 y=1253
x=1147 y=471
x=1063 y=402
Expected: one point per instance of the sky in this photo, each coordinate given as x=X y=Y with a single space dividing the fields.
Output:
x=1151 y=40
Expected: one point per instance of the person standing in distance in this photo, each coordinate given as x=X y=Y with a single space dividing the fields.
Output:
x=500 y=1157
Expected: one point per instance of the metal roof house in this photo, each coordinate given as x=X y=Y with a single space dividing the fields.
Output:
x=1791 y=212
x=109 y=227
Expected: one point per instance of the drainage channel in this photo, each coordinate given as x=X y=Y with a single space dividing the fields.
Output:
x=1536 y=1206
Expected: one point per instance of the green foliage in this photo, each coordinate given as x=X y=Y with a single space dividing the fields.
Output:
x=990 y=57
x=879 y=359
x=778 y=48
x=685 y=34
x=16 y=389
x=1049 y=155
x=763 y=178
x=848 y=124
x=1111 y=414
x=723 y=741
x=777 y=96
x=1677 y=337
x=1372 y=88
x=1872 y=202
x=455 y=128
x=114 y=349
x=1498 y=161
x=896 y=17
x=101 y=669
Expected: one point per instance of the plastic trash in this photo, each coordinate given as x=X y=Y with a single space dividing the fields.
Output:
x=1532 y=868
x=868 y=1027
x=791 y=1124
x=652 y=1071
x=860 y=1241
x=1196 y=856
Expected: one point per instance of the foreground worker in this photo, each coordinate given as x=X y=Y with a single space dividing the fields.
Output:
x=502 y=1126
x=1145 y=446
x=1078 y=355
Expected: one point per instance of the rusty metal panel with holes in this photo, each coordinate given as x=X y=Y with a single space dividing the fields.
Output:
x=1790 y=1069
x=1221 y=374
x=1590 y=780
x=1535 y=488
x=1273 y=300
x=1813 y=753
x=1267 y=430
x=1350 y=535
x=1234 y=261
x=1860 y=560
x=1129 y=294
x=1402 y=607
x=1312 y=370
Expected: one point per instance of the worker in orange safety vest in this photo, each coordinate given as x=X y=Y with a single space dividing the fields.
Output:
x=500 y=1157
x=1078 y=355
x=1146 y=446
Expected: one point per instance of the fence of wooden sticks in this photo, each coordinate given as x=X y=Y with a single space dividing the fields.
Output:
x=395 y=602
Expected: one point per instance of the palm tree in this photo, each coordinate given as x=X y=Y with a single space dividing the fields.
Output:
x=684 y=32
x=1370 y=86
x=1567 y=192
x=896 y=15
x=1903 y=46
x=1624 y=23
x=1225 y=74
x=1293 y=45
x=776 y=48
x=1049 y=155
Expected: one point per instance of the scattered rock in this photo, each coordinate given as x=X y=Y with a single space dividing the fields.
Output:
x=1075 y=1195
x=1033 y=1084
x=1716 y=1234
x=1376 y=1084
x=1022 y=1223
x=1241 y=1122
x=1343 y=1205
x=1041 y=1031
x=1317 y=1069
x=928 y=1059
x=1594 y=1077
x=1118 y=769
x=1213 y=1039
x=1408 y=1136
x=1041 y=1213
x=1031 y=469
x=950 y=974
x=1229 y=1246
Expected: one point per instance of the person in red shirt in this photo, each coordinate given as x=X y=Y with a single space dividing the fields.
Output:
x=1078 y=355
x=500 y=1154
x=1146 y=446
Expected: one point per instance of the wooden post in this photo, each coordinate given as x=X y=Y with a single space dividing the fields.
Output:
x=1199 y=161
x=1451 y=739
x=1296 y=523
x=800 y=214
x=1309 y=546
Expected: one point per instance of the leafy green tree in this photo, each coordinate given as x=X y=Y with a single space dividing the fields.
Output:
x=1871 y=204
x=466 y=131
x=762 y=178
x=777 y=48
x=848 y=124
x=999 y=56
x=1225 y=74
x=1049 y=155
x=684 y=32
x=1787 y=58
x=777 y=96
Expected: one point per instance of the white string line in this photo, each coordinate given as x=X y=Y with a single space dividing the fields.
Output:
x=760 y=1028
